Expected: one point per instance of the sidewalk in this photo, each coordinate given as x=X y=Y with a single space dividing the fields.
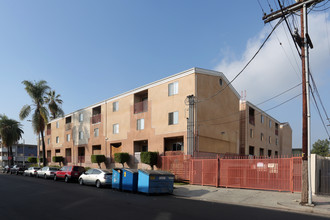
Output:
x=254 y=198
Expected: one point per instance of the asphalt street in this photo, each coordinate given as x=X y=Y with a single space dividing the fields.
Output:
x=31 y=198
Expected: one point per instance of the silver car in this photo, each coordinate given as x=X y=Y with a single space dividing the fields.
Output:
x=96 y=177
x=31 y=171
x=46 y=172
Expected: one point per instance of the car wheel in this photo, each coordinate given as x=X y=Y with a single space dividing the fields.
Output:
x=66 y=179
x=81 y=181
x=55 y=178
x=16 y=172
x=45 y=176
x=30 y=174
x=37 y=176
x=98 y=184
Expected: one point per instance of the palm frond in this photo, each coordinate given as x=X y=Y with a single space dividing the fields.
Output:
x=25 y=111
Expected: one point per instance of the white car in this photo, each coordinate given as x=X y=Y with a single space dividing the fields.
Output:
x=31 y=171
x=46 y=172
x=96 y=177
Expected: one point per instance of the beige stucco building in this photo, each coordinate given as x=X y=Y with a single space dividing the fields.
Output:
x=261 y=134
x=195 y=110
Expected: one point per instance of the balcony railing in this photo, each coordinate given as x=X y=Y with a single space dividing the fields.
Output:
x=48 y=131
x=96 y=119
x=276 y=132
x=68 y=159
x=141 y=107
x=68 y=126
x=81 y=159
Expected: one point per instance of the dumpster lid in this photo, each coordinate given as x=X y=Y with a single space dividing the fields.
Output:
x=157 y=172
x=131 y=170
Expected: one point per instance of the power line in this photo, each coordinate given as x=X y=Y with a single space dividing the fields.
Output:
x=318 y=94
x=217 y=93
x=279 y=94
x=228 y=122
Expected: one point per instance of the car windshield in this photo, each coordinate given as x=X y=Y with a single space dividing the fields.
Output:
x=37 y=168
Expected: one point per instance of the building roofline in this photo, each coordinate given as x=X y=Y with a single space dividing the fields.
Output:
x=187 y=72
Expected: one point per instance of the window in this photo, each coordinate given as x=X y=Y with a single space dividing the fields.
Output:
x=276 y=129
x=270 y=139
x=173 y=88
x=81 y=117
x=48 y=141
x=115 y=128
x=140 y=124
x=262 y=119
x=251 y=150
x=96 y=132
x=173 y=118
x=251 y=133
x=251 y=116
x=269 y=153
x=261 y=136
x=220 y=82
x=261 y=152
x=68 y=137
x=115 y=106
x=57 y=151
x=276 y=141
x=270 y=123
x=57 y=124
x=81 y=135
x=276 y=153
x=57 y=139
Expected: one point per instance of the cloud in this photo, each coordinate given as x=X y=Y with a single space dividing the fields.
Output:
x=277 y=67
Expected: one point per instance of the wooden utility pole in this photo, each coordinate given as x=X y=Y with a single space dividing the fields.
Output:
x=304 y=42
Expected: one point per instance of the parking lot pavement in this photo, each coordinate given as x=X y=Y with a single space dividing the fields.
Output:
x=254 y=198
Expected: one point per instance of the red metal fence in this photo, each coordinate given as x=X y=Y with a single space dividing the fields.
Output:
x=281 y=174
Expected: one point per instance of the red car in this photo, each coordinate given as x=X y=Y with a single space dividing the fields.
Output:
x=69 y=173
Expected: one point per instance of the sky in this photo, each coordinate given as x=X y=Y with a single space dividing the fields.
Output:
x=89 y=51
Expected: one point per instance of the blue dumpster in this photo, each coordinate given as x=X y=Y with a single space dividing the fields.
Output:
x=129 y=179
x=116 y=178
x=155 y=181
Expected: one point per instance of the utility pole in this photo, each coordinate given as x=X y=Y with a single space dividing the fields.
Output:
x=304 y=42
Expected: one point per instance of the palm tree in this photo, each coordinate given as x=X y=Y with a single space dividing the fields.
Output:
x=54 y=103
x=10 y=132
x=37 y=91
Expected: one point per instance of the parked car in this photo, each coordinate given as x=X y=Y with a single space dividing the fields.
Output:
x=46 y=172
x=69 y=173
x=6 y=169
x=31 y=171
x=16 y=169
x=96 y=177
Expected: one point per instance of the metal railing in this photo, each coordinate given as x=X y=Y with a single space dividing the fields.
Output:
x=141 y=107
x=96 y=119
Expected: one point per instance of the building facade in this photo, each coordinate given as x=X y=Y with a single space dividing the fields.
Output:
x=195 y=110
x=21 y=153
x=261 y=134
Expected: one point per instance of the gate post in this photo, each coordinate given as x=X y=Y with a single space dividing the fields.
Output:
x=291 y=174
x=217 y=173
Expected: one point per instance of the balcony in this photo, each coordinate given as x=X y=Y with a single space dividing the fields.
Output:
x=96 y=119
x=81 y=159
x=68 y=159
x=141 y=107
x=48 y=132
x=68 y=126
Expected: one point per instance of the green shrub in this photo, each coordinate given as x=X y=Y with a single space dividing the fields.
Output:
x=121 y=158
x=149 y=158
x=35 y=165
x=32 y=160
x=58 y=159
x=98 y=159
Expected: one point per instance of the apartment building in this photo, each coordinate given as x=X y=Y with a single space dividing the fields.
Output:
x=21 y=153
x=261 y=134
x=154 y=117
x=194 y=110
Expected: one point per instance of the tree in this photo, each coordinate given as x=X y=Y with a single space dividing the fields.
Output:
x=37 y=91
x=149 y=158
x=321 y=147
x=121 y=158
x=98 y=159
x=10 y=132
x=58 y=159
x=32 y=160
x=54 y=103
